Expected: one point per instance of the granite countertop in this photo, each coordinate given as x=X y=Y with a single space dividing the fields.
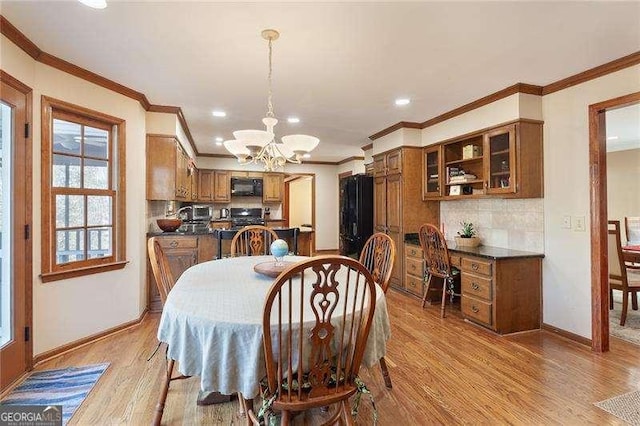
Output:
x=207 y=231
x=488 y=252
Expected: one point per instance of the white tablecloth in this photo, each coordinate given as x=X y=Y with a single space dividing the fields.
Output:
x=212 y=322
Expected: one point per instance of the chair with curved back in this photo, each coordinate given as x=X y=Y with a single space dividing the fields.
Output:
x=316 y=365
x=437 y=263
x=620 y=276
x=252 y=240
x=290 y=235
x=164 y=281
x=378 y=255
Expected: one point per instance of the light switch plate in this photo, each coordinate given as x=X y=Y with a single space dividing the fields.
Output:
x=566 y=222
x=578 y=224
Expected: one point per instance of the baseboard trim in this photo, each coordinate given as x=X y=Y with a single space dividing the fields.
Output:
x=567 y=334
x=53 y=353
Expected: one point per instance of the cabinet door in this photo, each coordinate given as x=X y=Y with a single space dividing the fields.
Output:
x=195 y=178
x=180 y=172
x=222 y=186
x=273 y=187
x=500 y=160
x=394 y=203
x=205 y=185
x=394 y=162
x=379 y=166
x=180 y=260
x=397 y=272
x=380 y=204
x=368 y=169
x=432 y=178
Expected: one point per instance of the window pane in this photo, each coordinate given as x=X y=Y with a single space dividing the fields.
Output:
x=66 y=137
x=66 y=171
x=96 y=143
x=98 y=210
x=69 y=211
x=96 y=174
x=69 y=246
x=99 y=242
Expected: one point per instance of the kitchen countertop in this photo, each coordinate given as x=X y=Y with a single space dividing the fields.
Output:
x=488 y=252
x=212 y=232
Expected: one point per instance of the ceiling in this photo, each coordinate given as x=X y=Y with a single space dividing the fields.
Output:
x=623 y=128
x=337 y=66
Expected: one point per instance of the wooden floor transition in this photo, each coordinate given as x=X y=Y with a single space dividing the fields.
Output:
x=444 y=371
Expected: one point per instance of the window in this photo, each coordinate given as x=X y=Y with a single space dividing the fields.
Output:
x=82 y=191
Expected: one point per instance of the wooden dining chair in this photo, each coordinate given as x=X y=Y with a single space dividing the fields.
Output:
x=164 y=281
x=620 y=277
x=378 y=255
x=437 y=263
x=252 y=240
x=632 y=229
x=290 y=235
x=316 y=365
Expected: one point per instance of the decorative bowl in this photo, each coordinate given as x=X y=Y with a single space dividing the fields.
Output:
x=169 y=225
x=467 y=242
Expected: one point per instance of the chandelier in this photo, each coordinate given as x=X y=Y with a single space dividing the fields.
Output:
x=255 y=146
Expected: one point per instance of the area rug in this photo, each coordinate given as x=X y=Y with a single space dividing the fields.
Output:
x=631 y=330
x=625 y=407
x=66 y=386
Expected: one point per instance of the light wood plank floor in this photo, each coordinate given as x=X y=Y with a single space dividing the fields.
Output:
x=443 y=371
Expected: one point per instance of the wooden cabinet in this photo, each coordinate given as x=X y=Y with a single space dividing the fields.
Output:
x=273 y=187
x=398 y=205
x=195 y=184
x=205 y=185
x=414 y=267
x=505 y=161
x=222 y=186
x=182 y=252
x=168 y=173
x=368 y=169
x=504 y=295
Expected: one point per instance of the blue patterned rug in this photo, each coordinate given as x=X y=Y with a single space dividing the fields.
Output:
x=66 y=386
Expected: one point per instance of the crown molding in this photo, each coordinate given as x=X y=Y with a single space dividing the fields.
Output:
x=367 y=147
x=346 y=160
x=391 y=129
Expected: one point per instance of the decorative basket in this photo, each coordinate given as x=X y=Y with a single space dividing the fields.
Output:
x=467 y=242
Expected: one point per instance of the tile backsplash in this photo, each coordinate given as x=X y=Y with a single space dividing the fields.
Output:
x=510 y=223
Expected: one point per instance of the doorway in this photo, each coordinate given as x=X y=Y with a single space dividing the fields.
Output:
x=299 y=205
x=599 y=218
x=16 y=350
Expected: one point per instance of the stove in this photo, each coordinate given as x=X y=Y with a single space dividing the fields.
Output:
x=243 y=217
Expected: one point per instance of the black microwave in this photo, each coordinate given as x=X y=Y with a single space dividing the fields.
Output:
x=246 y=186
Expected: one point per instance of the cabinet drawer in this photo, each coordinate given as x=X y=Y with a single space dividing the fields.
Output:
x=476 y=286
x=178 y=242
x=413 y=284
x=477 y=266
x=413 y=251
x=476 y=309
x=414 y=267
x=455 y=260
x=220 y=225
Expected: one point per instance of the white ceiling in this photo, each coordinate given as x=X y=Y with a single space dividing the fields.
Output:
x=337 y=66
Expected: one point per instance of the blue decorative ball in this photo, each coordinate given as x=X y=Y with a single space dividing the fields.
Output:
x=279 y=248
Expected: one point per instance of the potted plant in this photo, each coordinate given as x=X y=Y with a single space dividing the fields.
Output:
x=467 y=236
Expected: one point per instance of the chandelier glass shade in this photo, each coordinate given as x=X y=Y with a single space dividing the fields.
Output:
x=260 y=146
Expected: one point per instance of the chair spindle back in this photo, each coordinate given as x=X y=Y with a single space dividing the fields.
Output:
x=378 y=255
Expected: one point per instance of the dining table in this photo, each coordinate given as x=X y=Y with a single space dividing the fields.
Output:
x=212 y=322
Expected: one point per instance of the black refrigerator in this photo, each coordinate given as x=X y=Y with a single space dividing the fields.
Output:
x=356 y=213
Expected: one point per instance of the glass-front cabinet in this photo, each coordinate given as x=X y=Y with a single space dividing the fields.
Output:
x=432 y=166
x=500 y=160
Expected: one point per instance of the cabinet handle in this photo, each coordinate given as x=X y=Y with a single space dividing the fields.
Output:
x=474 y=266
x=413 y=267
x=475 y=286
x=475 y=309
x=173 y=244
x=413 y=252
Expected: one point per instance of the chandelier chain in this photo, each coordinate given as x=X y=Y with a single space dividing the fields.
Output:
x=269 y=101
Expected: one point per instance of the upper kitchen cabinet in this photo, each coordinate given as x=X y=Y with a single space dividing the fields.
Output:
x=205 y=185
x=389 y=163
x=222 y=186
x=168 y=169
x=273 y=187
x=505 y=161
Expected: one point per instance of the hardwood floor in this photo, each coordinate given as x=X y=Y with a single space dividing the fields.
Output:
x=443 y=372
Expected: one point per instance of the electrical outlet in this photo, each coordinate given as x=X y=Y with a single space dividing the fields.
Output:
x=578 y=224
x=566 y=222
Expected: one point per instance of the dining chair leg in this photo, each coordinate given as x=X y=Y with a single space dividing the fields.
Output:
x=285 y=419
x=610 y=299
x=426 y=292
x=444 y=297
x=385 y=373
x=625 y=305
x=157 y=418
x=346 y=413
x=634 y=301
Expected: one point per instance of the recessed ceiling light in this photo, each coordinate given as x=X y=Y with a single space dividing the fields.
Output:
x=307 y=155
x=219 y=139
x=219 y=114
x=96 y=4
x=293 y=120
x=612 y=138
x=219 y=143
x=403 y=101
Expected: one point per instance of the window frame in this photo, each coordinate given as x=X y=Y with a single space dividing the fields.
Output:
x=57 y=109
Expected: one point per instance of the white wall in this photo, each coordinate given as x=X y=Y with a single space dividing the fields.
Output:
x=567 y=264
x=68 y=310
x=300 y=203
x=326 y=193
x=623 y=186
x=354 y=166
